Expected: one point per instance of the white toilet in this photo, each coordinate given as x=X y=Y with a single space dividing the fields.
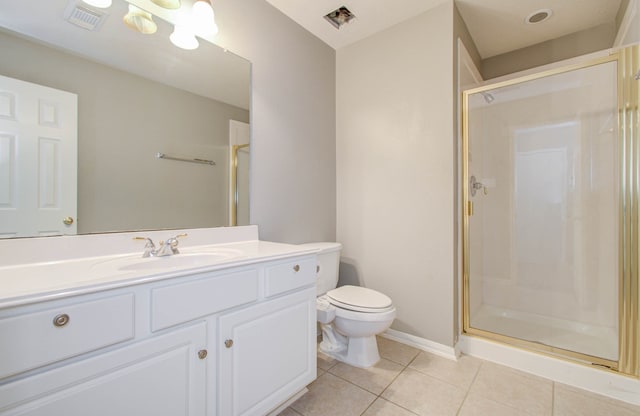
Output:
x=350 y=316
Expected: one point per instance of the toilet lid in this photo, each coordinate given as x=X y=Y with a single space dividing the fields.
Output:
x=359 y=298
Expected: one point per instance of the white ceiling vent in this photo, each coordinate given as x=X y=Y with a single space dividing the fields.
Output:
x=83 y=16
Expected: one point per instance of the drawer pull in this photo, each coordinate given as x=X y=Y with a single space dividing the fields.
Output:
x=202 y=354
x=296 y=268
x=61 y=320
x=228 y=343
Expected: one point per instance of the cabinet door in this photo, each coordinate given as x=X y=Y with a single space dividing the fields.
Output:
x=267 y=353
x=161 y=376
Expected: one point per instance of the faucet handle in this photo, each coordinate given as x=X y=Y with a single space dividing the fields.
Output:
x=149 y=247
x=173 y=242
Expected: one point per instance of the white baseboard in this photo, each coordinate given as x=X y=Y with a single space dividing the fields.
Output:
x=594 y=380
x=421 y=343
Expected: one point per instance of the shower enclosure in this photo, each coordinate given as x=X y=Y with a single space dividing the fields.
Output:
x=550 y=178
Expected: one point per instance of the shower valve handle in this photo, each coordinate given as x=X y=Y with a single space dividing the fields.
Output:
x=474 y=185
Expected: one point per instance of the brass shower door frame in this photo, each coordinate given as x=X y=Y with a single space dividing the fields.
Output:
x=234 y=181
x=628 y=63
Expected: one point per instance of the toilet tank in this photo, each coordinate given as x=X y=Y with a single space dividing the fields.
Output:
x=328 y=264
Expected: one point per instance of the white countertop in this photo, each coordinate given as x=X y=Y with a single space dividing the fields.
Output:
x=41 y=281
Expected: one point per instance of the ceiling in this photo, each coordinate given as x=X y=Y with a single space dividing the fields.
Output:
x=497 y=26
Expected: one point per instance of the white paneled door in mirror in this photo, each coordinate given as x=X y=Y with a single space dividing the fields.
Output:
x=38 y=160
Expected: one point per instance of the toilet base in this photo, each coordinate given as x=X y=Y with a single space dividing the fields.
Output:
x=356 y=351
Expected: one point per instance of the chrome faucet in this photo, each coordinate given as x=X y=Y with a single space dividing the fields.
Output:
x=167 y=248
x=149 y=247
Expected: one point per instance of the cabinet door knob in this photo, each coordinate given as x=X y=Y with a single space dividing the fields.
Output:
x=228 y=343
x=61 y=320
x=202 y=354
x=296 y=268
x=67 y=220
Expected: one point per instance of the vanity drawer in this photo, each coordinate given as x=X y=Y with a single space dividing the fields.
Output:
x=293 y=274
x=35 y=339
x=184 y=302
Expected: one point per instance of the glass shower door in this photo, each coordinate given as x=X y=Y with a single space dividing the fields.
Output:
x=542 y=217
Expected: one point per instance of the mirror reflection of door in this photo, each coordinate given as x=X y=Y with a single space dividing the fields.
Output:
x=239 y=134
x=38 y=160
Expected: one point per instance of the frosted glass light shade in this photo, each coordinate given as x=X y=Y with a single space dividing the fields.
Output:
x=184 y=38
x=167 y=4
x=103 y=4
x=203 y=17
x=140 y=20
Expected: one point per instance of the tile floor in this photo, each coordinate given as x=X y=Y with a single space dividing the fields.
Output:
x=409 y=382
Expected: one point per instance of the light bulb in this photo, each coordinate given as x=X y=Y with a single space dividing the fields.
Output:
x=103 y=4
x=184 y=38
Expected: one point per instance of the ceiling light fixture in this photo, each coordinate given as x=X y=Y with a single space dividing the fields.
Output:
x=102 y=4
x=203 y=17
x=539 y=16
x=167 y=4
x=140 y=20
x=184 y=38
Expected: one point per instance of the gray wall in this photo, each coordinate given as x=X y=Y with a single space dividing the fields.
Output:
x=396 y=170
x=123 y=121
x=293 y=150
x=569 y=46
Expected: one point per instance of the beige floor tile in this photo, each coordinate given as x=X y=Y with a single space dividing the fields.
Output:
x=319 y=372
x=569 y=401
x=332 y=396
x=475 y=405
x=423 y=394
x=289 y=412
x=460 y=373
x=514 y=389
x=325 y=362
x=395 y=351
x=374 y=379
x=381 y=407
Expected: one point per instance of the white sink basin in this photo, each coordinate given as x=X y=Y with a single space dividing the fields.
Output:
x=177 y=261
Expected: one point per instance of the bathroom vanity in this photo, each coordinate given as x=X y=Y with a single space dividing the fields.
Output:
x=226 y=327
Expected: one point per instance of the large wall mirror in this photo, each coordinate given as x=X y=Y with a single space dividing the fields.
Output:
x=139 y=97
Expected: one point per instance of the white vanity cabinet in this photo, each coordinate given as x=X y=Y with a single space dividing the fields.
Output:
x=161 y=376
x=231 y=341
x=266 y=354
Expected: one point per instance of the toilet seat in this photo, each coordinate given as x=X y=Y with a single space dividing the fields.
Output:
x=360 y=299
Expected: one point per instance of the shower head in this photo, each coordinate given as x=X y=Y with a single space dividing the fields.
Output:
x=488 y=97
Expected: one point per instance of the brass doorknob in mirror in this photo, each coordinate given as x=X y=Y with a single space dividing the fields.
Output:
x=67 y=220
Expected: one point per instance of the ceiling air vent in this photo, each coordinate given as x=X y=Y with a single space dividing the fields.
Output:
x=84 y=17
x=340 y=17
